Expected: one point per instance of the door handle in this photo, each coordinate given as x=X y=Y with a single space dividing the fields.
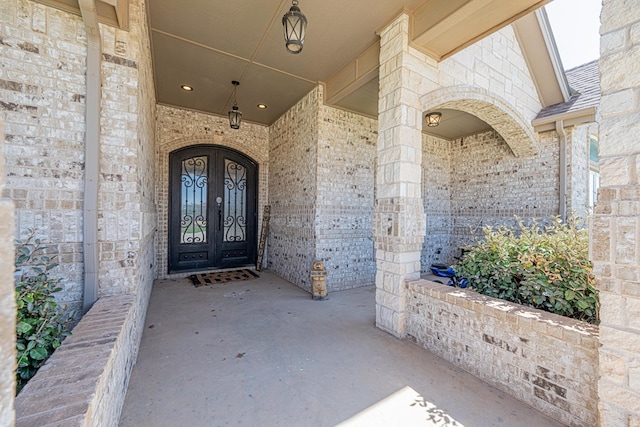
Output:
x=219 y=202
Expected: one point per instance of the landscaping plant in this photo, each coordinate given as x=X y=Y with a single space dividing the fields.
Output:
x=543 y=267
x=41 y=321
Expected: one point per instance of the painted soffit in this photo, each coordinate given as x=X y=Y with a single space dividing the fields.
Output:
x=211 y=42
x=543 y=60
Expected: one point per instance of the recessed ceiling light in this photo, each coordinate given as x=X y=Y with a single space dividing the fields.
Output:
x=186 y=88
x=262 y=106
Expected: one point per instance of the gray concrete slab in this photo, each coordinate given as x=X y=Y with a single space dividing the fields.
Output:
x=263 y=353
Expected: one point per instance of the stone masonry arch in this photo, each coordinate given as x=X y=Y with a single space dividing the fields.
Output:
x=496 y=112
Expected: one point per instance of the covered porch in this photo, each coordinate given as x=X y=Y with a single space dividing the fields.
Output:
x=262 y=352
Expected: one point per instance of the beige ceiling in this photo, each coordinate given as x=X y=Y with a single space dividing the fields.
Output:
x=208 y=43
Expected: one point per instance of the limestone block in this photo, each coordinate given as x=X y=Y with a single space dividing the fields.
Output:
x=619 y=396
x=632 y=306
x=390 y=301
x=626 y=240
x=612 y=416
x=634 y=34
x=624 y=101
x=616 y=15
x=615 y=171
x=613 y=70
x=634 y=374
x=614 y=367
x=618 y=339
x=610 y=308
x=615 y=130
x=613 y=41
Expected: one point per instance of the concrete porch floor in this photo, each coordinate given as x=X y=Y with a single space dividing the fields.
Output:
x=263 y=353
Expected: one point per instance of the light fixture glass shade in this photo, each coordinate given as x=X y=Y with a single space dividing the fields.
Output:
x=295 y=26
x=433 y=119
x=235 y=117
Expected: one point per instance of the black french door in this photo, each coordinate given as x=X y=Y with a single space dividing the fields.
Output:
x=212 y=209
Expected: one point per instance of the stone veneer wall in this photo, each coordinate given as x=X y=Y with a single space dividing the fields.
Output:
x=177 y=128
x=293 y=154
x=7 y=302
x=44 y=103
x=545 y=360
x=489 y=79
x=615 y=231
x=436 y=196
x=345 y=197
x=490 y=186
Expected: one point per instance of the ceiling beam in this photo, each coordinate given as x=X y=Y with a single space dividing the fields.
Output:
x=354 y=75
x=440 y=28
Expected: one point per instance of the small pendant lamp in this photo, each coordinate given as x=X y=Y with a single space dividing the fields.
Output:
x=295 y=26
x=235 y=115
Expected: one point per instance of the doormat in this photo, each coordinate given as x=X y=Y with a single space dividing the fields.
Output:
x=222 y=277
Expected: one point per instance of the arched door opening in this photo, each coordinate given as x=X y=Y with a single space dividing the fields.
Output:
x=212 y=209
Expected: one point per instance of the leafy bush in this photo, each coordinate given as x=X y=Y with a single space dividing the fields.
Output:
x=543 y=267
x=41 y=322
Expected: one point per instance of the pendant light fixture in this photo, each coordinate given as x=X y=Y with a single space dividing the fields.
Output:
x=295 y=26
x=235 y=115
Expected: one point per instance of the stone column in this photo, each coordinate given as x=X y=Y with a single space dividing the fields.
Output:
x=7 y=302
x=615 y=244
x=399 y=223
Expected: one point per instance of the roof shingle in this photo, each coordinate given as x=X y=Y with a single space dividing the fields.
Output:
x=585 y=81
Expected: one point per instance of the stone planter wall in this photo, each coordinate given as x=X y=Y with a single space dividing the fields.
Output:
x=545 y=360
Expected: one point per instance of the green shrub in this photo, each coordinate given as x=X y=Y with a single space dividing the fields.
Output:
x=543 y=267
x=41 y=322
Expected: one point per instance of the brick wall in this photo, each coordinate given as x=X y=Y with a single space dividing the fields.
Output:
x=321 y=191
x=126 y=204
x=177 y=128
x=578 y=170
x=616 y=227
x=85 y=381
x=345 y=197
x=42 y=93
x=127 y=213
x=436 y=196
x=490 y=185
x=293 y=154
x=545 y=360
x=7 y=302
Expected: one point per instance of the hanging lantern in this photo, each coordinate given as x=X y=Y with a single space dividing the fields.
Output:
x=433 y=119
x=295 y=25
x=235 y=115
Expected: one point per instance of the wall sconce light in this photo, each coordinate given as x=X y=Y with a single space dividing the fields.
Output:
x=433 y=119
x=295 y=25
x=235 y=115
